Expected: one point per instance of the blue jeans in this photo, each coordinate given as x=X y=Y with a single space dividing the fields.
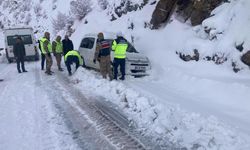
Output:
x=119 y=62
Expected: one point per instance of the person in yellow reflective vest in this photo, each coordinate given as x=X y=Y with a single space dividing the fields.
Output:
x=119 y=46
x=73 y=57
x=46 y=48
x=57 y=49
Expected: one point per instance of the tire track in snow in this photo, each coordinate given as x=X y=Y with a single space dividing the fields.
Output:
x=81 y=130
x=55 y=135
x=120 y=135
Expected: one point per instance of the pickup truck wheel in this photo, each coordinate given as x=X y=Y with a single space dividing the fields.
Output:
x=84 y=66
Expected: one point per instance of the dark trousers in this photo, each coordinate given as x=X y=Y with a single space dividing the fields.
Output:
x=42 y=61
x=70 y=60
x=121 y=63
x=20 y=60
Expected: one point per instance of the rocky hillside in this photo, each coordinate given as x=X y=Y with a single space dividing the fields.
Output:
x=195 y=10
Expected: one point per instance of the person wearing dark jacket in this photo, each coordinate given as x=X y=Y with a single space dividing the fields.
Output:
x=42 y=56
x=67 y=45
x=19 y=53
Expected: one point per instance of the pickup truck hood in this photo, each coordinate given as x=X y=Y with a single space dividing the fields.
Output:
x=136 y=57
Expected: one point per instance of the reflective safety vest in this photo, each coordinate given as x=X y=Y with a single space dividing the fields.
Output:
x=42 y=45
x=120 y=48
x=59 y=47
x=74 y=53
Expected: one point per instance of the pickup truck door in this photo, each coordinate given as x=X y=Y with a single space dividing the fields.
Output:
x=87 y=50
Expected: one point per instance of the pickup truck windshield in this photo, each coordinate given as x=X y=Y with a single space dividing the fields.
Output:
x=130 y=49
x=26 y=39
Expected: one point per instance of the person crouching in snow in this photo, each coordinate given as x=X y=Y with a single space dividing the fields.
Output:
x=73 y=57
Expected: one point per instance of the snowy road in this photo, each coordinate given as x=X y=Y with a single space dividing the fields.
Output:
x=41 y=112
x=28 y=119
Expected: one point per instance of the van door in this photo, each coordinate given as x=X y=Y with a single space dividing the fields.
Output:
x=29 y=45
x=11 y=40
x=88 y=51
x=27 y=41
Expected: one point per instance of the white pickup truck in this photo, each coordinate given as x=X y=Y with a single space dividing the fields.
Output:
x=136 y=63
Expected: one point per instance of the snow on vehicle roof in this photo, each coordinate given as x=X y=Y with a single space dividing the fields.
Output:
x=15 y=28
x=107 y=35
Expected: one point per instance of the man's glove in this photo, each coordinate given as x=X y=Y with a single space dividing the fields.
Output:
x=94 y=61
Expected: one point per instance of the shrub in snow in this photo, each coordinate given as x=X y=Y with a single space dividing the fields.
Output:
x=25 y=5
x=184 y=57
x=129 y=6
x=38 y=10
x=236 y=67
x=103 y=4
x=239 y=46
x=80 y=8
x=54 y=7
x=27 y=19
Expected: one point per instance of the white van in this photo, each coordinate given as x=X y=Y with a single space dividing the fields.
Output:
x=27 y=36
x=136 y=63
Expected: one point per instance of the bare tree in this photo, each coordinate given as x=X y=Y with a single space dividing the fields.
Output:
x=38 y=10
x=103 y=4
x=60 y=22
x=80 y=8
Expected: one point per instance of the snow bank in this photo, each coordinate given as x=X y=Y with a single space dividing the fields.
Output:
x=167 y=121
x=203 y=88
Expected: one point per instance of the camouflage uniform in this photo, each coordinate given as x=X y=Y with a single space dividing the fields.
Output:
x=58 y=51
x=48 y=57
x=104 y=60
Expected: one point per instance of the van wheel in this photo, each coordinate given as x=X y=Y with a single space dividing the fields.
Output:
x=7 y=56
x=36 y=58
x=9 y=60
